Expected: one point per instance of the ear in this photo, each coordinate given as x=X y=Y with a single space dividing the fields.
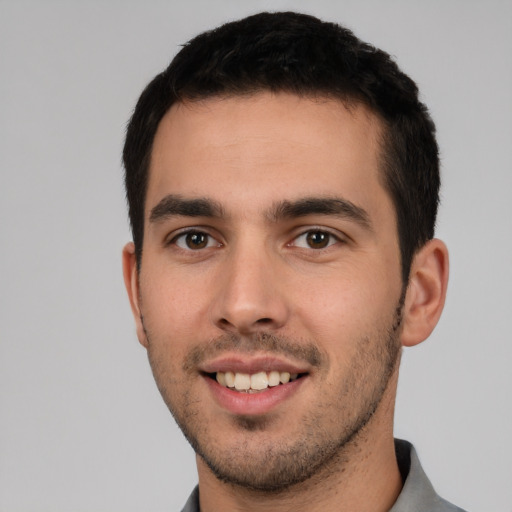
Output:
x=426 y=292
x=131 y=282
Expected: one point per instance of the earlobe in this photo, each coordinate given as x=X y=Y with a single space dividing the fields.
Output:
x=426 y=292
x=131 y=282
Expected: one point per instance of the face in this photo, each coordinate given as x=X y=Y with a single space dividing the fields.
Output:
x=269 y=288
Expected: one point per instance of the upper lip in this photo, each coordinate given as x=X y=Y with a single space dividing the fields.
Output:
x=240 y=364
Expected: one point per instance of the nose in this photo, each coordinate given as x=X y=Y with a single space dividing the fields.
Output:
x=250 y=296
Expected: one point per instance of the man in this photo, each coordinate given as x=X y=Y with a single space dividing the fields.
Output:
x=282 y=180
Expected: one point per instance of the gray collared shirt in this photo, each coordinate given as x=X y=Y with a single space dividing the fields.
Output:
x=417 y=494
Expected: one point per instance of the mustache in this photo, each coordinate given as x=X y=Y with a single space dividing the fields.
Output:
x=257 y=342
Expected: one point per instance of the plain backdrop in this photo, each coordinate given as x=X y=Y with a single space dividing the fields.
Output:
x=82 y=426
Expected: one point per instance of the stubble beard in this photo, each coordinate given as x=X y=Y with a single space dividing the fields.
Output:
x=323 y=442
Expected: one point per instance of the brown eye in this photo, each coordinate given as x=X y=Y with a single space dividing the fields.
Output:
x=318 y=239
x=195 y=240
x=315 y=239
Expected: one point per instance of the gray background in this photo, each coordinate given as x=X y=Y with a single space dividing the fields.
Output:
x=82 y=426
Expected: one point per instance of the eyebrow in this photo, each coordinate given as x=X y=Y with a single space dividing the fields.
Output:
x=175 y=205
x=332 y=206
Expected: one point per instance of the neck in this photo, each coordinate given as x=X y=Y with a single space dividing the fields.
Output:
x=363 y=477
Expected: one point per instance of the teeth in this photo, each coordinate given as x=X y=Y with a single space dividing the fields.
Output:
x=259 y=381
x=221 y=379
x=255 y=382
x=230 y=379
x=242 y=381
x=273 y=379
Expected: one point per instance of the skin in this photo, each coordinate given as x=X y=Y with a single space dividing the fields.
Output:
x=258 y=284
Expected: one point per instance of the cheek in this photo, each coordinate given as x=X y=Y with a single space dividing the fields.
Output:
x=344 y=310
x=340 y=299
x=173 y=307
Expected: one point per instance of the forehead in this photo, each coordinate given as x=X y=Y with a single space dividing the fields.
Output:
x=267 y=147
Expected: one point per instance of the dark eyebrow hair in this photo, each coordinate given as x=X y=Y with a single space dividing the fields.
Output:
x=321 y=206
x=172 y=205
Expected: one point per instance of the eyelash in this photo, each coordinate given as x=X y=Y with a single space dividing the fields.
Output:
x=331 y=239
x=190 y=233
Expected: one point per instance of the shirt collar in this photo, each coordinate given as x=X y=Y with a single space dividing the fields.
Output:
x=417 y=492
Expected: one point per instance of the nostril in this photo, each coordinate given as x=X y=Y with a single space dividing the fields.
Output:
x=246 y=324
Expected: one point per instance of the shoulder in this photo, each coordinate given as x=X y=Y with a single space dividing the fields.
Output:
x=192 y=504
x=417 y=493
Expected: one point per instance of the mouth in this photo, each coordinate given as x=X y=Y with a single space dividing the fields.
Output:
x=254 y=382
x=254 y=385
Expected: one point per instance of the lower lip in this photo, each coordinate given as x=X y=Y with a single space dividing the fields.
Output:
x=241 y=403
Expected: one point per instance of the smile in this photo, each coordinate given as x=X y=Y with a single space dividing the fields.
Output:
x=253 y=384
x=256 y=382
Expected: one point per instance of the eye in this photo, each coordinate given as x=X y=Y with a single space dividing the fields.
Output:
x=315 y=239
x=195 y=240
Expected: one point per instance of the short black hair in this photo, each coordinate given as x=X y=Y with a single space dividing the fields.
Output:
x=299 y=54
